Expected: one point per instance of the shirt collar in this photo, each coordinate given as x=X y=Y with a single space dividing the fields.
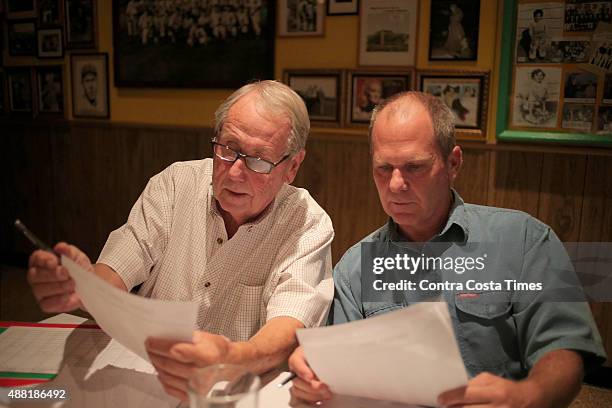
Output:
x=456 y=228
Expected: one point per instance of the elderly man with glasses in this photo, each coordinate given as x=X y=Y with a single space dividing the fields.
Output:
x=229 y=233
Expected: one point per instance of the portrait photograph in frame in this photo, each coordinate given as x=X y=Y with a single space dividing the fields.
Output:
x=50 y=90
x=20 y=8
x=19 y=87
x=387 y=32
x=342 y=7
x=21 y=37
x=466 y=93
x=50 y=43
x=90 y=97
x=322 y=92
x=80 y=24
x=300 y=18
x=453 y=31
x=49 y=13
x=369 y=88
x=199 y=53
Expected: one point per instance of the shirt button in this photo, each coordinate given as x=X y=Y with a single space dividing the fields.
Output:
x=207 y=284
x=250 y=229
x=219 y=241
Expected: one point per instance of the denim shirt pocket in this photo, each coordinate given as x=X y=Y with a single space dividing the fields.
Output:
x=484 y=331
x=371 y=309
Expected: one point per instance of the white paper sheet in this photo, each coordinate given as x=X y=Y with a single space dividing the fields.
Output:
x=408 y=356
x=116 y=355
x=39 y=349
x=128 y=318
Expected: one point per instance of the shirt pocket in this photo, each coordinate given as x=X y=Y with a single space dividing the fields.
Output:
x=484 y=332
x=371 y=309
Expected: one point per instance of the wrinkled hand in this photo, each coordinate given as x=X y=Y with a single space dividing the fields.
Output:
x=175 y=361
x=487 y=391
x=51 y=284
x=306 y=386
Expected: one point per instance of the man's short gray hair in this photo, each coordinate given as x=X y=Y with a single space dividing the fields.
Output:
x=276 y=99
x=442 y=117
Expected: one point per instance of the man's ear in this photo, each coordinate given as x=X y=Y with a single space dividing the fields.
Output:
x=454 y=163
x=294 y=164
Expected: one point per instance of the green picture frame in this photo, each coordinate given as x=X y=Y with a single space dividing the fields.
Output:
x=504 y=134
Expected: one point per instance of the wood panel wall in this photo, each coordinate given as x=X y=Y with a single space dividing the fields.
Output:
x=77 y=182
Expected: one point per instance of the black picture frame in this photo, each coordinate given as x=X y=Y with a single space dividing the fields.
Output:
x=20 y=9
x=198 y=58
x=453 y=30
x=50 y=43
x=50 y=13
x=342 y=8
x=367 y=88
x=322 y=91
x=21 y=37
x=3 y=93
x=80 y=21
x=50 y=90
x=89 y=84
x=19 y=87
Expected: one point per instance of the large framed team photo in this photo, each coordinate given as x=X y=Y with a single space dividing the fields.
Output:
x=179 y=45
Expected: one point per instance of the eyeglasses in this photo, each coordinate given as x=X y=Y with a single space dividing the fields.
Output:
x=256 y=164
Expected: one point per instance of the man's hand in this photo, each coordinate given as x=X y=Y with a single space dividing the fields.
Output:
x=306 y=386
x=488 y=390
x=52 y=285
x=175 y=362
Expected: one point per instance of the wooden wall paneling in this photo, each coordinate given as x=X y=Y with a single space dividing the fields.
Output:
x=514 y=180
x=351 y=198
x=596 y=226
x=311 y=175
x=472 y=182
x=561 y=194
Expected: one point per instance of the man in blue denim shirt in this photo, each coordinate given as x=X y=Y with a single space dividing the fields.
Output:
x=520 y=350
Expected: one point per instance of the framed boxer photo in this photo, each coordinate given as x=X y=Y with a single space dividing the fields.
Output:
x=90 y=97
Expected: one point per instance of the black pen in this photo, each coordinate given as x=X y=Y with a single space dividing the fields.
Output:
x=32 y=238
x=286 y=380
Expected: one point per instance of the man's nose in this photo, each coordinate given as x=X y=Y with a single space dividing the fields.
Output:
x=238 y=169
x=397 y=183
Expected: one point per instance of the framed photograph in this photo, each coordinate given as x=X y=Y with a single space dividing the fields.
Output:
x=322 y=91
x=387 y=32
x=466 y=93
x=453 y=29
x=80 y=24
x=580 y=87
x=536 y=96
x=50 y=89
x=49 y=13
x=578 y=116
x=584 y=15
x=369 y=88
x=299 y=18
x=50 y=44
x=539 y=34
x=90 y=97
x=20 y=9
x=342 y=7
x=200 y=52
x=607 y=93
x=19 y=83
x=604 y=120
x=21 y=37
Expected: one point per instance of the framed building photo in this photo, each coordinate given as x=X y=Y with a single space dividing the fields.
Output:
x=369 y=88
x=20 y=9
x=50 y=44
x=322 y=92
x=50 y=89
x=298 y=18
x=201 y=51
x=19 y=83
x=342 y=7
x=453 y=31
x=49 y=13
x=80 y=23
x=387 y=32
x=90 y=98
x=466 y=93
x=21 y=37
